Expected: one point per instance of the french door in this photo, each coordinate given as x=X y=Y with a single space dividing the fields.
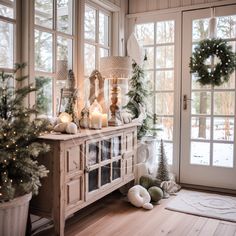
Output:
x=208 y=113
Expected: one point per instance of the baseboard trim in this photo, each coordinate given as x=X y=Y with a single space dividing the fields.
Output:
x=206 y=188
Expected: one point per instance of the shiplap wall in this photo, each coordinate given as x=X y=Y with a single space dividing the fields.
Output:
x=117 y=2
x=138 y=6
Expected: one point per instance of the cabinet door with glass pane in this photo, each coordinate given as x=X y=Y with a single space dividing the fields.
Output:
x=103 y=163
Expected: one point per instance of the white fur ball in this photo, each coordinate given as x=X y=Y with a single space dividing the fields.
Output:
x=138 y=196
x=71 y=128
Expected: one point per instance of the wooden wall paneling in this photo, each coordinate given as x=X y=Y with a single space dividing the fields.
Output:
x=187 y=2
x=151 y=5
x=162 y=4
x=141 y=5
x=174 y=3
x=195 y=2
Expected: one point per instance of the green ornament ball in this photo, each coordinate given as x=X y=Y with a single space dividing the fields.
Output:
x=148 y=181
x=156 y=194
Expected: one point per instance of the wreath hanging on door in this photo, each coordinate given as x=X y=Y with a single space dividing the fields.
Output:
x=214 y=74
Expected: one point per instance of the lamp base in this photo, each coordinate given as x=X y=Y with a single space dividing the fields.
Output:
x=114 y=121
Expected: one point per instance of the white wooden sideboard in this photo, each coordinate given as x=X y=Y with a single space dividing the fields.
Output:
x=84 y=168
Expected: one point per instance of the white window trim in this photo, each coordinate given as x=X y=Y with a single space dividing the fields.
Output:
x=28 y=46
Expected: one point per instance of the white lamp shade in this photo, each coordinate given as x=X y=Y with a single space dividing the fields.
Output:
x=115 y=67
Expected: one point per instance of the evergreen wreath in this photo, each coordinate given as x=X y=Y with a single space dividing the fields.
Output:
x=221 y=72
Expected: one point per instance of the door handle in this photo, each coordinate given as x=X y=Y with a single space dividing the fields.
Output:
x=186 y=99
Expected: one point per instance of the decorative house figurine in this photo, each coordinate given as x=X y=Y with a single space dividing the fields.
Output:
x=84 y=120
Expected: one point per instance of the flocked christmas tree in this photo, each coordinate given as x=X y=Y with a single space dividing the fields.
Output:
x=138 y=95
x=20 y=172
x=162 y=170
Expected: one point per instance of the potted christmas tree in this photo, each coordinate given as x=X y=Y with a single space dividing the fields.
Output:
x=20 y=172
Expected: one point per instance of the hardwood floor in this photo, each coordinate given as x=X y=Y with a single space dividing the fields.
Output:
x=114 y=216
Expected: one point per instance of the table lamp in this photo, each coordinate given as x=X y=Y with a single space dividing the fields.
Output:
x=115 y=67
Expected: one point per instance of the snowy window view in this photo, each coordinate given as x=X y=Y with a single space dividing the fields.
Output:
x=158 y=41
x=213 y=108
x=97 y=43
x=7 y=35
x=53 y=50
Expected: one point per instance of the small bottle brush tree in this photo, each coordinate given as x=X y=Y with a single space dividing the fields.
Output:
x=162 y=170
x=20 y=172
x=138 y=94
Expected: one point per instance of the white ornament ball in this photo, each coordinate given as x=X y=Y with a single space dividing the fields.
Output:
x=71 y=128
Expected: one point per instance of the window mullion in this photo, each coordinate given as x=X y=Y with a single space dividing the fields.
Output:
x=97 y=41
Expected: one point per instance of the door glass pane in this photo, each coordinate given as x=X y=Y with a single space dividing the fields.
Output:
x=223 y=155
x=165 y=32
x=93 y=154
x=200 y=153
x=165 y=80
x=201 y=103
x=226 y=27
x=44 y=13
x=44 y=95
x=103 y=29
x=166 y=124
x=106 y=150
x=169 y=152
x=224 y=128
x=43 y=51
x=197 y=85
x=224 y=103
x=145 y=33
x=229 y=85
x=89 y=23
x=64 y=16
x=165 y=103
x=6 y=11
x=150 y=79
x=64 y=57
x=200 y=29
x=6 y=45
x=89 y=58
x=105 y=174
x=116 y=169
x=165 y=57
x=149 y=51
x=201 y=127
x=93 y=180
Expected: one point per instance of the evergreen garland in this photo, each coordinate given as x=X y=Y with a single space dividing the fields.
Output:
x=162 y=170
x=20 y=172
x=138 y=95
x=219 y=73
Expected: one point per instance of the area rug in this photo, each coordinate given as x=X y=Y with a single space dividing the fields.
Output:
x=204 y=204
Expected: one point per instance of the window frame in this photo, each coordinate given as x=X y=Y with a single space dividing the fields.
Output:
x=15 y=21
x=96 y=42
x=55 y=33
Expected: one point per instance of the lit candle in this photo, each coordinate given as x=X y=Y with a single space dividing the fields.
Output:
x=104 y=120
x=96 y=120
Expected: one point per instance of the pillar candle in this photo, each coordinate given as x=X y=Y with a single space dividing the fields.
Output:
x=104 y=120
x=96 y=120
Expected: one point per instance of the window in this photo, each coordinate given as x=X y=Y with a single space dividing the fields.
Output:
x=97 y=39
x=158 y=41
x=7 y=34
x=54 y=40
